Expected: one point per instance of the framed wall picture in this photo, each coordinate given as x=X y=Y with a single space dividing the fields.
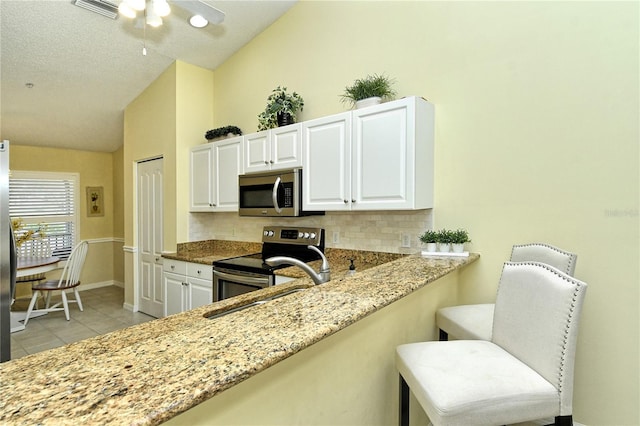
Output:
x=95 y=201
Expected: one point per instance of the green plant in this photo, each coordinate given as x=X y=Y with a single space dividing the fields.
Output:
x=460 y=236
x=445 y=236
x=279 y=101
x=222 y=131
x=429 y=236
x=372 y=85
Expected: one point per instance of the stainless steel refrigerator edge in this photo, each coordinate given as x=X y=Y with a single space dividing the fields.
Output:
x=7 y=256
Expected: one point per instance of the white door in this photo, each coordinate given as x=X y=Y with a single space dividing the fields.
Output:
x=150 y=282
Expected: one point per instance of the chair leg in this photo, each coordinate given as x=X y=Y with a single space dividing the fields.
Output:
x=65 y=305
x=404 y=402
x=564 y=421
x=34 y=298
x=48 y=301
x=444 y=336
x=78 y=301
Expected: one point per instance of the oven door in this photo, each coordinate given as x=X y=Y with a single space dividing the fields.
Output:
x=270 y=194
x=229 y=283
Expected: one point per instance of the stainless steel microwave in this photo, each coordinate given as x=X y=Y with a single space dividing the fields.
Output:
x=272 y=194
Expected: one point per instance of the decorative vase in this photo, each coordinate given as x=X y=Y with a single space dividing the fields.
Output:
x=284 y=119
x=430 y=247
x=374 y=100
x=444 y=247
x=458 y=248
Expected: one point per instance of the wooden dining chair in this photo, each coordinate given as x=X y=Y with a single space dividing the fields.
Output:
x=69 y=280
x=37 y=247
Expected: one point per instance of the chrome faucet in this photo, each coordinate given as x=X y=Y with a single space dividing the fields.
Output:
x=320 y=277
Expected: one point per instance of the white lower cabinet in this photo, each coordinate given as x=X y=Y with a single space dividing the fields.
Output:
x=187 y=286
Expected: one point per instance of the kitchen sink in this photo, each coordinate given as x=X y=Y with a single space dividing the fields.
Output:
x=254 y=303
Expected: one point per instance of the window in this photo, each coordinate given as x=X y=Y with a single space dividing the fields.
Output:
x=49 y=199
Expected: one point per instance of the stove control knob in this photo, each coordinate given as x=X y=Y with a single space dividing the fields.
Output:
x=306 y=235
x=266 y=233
x=300 y=235
x=313 y=236
x=271 y=233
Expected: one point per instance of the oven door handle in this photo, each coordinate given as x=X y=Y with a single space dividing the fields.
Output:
x=274 y=195
x=241 y=278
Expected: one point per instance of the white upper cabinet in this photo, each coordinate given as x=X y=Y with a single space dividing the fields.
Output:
x=375 y=158
x=274 y=149
x=215 y=168
x=326 y=170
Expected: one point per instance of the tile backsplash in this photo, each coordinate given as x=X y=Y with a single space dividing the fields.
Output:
x=373 y=231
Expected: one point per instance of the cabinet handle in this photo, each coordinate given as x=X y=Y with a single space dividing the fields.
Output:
x=212 y=204
x=345 y=201
x=185 y=284
x=173 y=267
x=271 y=161
x=199 y=272
x=353 y=201
x=266 y=162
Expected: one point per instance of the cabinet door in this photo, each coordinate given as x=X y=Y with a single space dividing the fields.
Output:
x=175 y=291
x=382 y=149
x=257 y=152
x=286 y=147
x=202 y=181
x=326 y=176
x=200 y=292
x=228 y=165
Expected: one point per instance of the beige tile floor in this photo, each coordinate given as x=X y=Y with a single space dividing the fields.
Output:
x=103 y=313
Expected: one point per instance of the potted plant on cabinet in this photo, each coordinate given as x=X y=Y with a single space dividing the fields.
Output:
x=458 y=238
x=368 y=91
x=281 y=110
x=222 y=132
x=430 y=239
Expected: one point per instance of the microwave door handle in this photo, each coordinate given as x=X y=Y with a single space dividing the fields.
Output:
x=274 y=195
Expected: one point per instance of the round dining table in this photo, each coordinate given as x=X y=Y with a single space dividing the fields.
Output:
x=30 y=265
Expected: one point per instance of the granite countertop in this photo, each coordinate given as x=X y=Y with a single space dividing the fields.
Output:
x=151 y=372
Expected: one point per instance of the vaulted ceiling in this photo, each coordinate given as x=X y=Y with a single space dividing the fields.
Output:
x=85 y=68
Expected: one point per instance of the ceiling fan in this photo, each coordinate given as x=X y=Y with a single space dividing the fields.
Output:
x=154 y=10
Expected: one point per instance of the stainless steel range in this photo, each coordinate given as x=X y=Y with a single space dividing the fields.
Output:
x=239 y=275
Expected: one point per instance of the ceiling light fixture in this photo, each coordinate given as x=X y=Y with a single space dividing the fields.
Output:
x=153 y=10
x=198 y=21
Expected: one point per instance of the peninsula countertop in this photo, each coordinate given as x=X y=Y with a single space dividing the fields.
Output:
x=149 y=373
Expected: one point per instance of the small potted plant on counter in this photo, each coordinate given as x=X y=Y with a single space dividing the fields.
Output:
x=368 y=91
x=281 y=110
x=458 y=238
x=430 y=240
x=444 y=240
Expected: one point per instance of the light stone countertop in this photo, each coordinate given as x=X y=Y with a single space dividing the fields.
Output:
x=149 y=373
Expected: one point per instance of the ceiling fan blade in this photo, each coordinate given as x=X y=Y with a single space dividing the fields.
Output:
x=197 y=7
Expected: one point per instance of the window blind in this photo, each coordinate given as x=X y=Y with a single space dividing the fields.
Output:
x=46 y=201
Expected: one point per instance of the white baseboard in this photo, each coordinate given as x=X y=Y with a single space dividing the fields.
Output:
x=130 y=307
x=550 y=421
x=92 y=286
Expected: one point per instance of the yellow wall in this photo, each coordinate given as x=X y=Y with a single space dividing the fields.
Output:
x=171 y=115
x=95 y=169
x=536 y=139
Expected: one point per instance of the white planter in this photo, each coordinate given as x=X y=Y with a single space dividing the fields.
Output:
x=430 y=247
x=444 y=247
x=375 y=100
x=458 y=248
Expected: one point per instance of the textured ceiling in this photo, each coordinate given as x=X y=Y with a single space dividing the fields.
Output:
x=86 y=68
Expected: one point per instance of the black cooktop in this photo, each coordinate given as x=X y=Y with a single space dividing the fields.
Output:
x=277 y=241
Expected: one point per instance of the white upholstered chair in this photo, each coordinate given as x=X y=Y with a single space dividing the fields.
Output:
x=69 y=280
x=471 y=322
x=524 y=373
